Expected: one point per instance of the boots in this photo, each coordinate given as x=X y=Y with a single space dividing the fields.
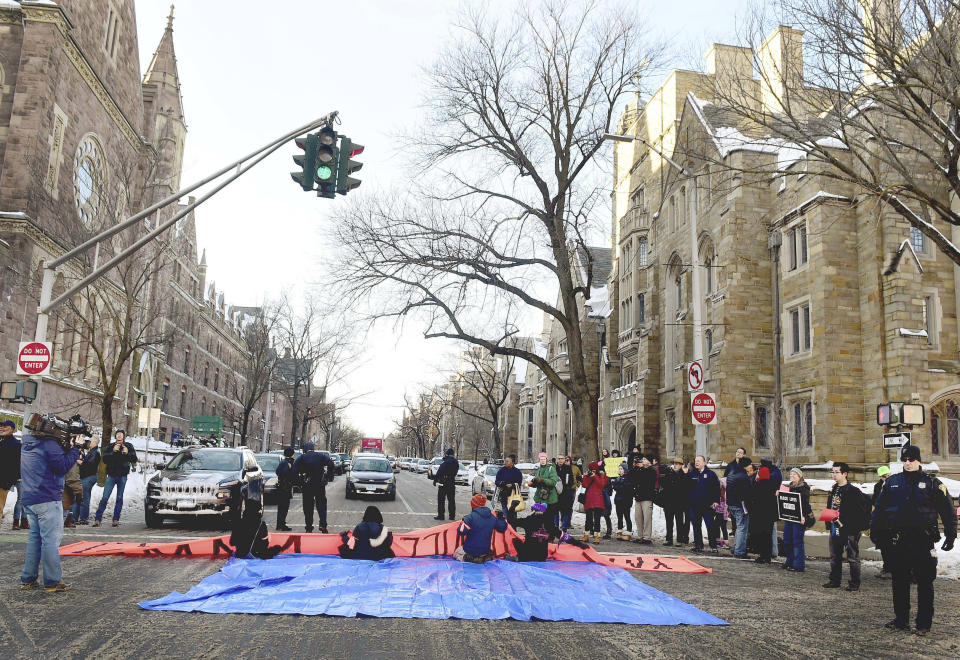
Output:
x=625 y=536
x=596 y=537
x=585 y=538
x=68 y=521
x=16 y=523
x=24 y=523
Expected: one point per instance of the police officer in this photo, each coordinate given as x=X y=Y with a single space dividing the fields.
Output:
x=447 y=476
x=904 y=523
x=285 y=479
x=317 y=469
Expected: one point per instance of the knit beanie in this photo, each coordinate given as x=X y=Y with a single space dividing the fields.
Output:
x=478 y=501
x=797 y=470
x=882 y=470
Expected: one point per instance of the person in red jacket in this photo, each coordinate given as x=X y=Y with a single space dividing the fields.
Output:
x=594 y=483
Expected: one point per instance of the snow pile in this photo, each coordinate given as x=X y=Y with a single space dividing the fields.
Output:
x=133 y=497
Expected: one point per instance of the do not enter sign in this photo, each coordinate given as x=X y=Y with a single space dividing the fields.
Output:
x=704 y=408
x=34 y=358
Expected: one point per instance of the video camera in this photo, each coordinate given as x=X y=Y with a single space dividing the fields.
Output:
x=51 y=427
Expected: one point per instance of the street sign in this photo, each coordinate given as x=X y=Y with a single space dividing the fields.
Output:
x=34 y=358
x=703 y=407
x=695 y=376
x=149 y=418
x=371 y=443
x=896 y=440
x=788 y=506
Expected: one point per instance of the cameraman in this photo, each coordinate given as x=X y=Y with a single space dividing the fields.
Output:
x=90 y=464
x=117 y=456
x=43 y=463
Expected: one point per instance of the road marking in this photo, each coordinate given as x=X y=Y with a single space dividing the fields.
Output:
x=402 y=499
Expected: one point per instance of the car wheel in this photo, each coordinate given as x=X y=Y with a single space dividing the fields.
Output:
x=153 y=520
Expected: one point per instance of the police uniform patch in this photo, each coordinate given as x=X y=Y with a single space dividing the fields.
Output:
x=921 y=485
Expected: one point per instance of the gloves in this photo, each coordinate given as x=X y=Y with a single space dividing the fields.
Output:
x=947 y=545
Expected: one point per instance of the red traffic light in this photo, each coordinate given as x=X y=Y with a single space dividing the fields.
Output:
x=357 y=149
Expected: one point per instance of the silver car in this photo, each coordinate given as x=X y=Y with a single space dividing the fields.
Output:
x=484 y=481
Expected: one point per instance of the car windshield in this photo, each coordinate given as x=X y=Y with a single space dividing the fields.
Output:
x=492 y=470
x=372 y=465
x=268 y=462
x=464 y=466
x=343 y=457
x=206 y=460
x=436 y=461
x=424 y=461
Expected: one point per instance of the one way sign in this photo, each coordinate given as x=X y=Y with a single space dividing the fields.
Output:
x=896 y=440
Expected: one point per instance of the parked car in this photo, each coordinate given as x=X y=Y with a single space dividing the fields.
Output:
x=346 y=460
x=409 y=463
x=338 y=464
x=434 y=465
x=202 y=481
x=371 y=475
x=463 y=475
x=423 y=465
x=268 y=464
x=483 y=481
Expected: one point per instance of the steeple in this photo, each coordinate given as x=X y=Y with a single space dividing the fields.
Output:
x=164 y=124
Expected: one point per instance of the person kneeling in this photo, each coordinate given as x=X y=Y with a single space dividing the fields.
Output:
x=538 y=531
x=478 y=528
x=371 y=539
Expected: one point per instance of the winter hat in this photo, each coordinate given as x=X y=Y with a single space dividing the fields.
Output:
x=9 y=423
x=450 y=451
x=882 y=470
x=798 y=471
x=372 y=514
x=478 y=501
x=763 y=473
x=542 y=454
x=308 y=446
x=596 y=465
x=539 y=506
x=910 y=453
x=288 y=452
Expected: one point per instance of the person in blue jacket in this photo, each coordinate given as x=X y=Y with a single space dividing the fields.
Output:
x=371 y=539
x=478 y=528
x=703 y=500
x=43 y=464
x=317 y=469
x=508 y=479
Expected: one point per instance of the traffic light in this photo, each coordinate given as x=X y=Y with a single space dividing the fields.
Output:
x=307 y=161
x=346 y=166
x=325 y=173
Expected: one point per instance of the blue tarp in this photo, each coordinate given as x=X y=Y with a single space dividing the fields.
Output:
x=433 y=588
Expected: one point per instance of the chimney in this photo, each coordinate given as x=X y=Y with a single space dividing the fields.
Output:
x=732 y=70
x=781 y=68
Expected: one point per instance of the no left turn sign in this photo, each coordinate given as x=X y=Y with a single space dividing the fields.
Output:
x=703 y=407
x=695 y=376
x=34 y=358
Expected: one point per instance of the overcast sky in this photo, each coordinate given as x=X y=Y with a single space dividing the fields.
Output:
x=251 y=71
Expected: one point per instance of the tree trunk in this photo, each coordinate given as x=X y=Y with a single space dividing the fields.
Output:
x=244 y=426
x=585 y=428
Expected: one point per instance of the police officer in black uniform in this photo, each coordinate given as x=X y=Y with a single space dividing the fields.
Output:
x=317 y=469
x=447 y=476
x=904 y=524
x=285 y=481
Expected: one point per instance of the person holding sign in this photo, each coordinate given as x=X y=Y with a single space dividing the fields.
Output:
x=793 y=532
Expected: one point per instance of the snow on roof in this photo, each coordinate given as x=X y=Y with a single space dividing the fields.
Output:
x=540 y=348
x=599 y=302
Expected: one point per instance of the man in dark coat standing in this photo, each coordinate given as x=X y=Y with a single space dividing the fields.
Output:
x=703 y=500
x=317 y=469
x=285 y=480
x=762 y=505
x=446 y=476
x=677 y=487
x=9 y=463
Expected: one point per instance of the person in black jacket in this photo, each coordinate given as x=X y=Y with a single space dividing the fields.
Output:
x=370 y=540
x=623 y=502
x=9 y=465
x=851 y=507
x=883 y=472
x=89 y=466
x=762 y=506
x=704 y=498
x=675 y=496
x=643 y=478
x=905 y=523
x=538 y=530
x=118 y=457
x=316 y=469
x=447 y=477
x=285 y=480
x=793 y=532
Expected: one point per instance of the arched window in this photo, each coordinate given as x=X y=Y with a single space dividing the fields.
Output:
x=797 y=424
x=203 y=406
x=642 y=253
x=935 y=434
x=953 y=429
x=89 y=178
x=708 y=347
x=708 y=274
x=186 y=358
x=183 y=400
x=760 y=437
x=206 y=374
x=163 y=399
x=216 y=380
x=808 y=422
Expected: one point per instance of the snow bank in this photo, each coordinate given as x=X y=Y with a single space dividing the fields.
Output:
x=133 y=496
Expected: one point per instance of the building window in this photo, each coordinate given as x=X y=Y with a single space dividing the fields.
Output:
x=708 y=266
x=953 y=432
x=186 y=358
x=642 y=253
x=797 y=424
x=916 y=239
x=163 y=400
x=930 y=319
x=760 y=436
x=708 y=347
x=797 y=246
x=183 y=400
x=216 y=380
x=800 y=329
x=673 y=213
x=671 y=432
x=112 y=36
x=203 y=406
x=52 y=178
x=641 y=308
x=808 y=422
x=935 y=434
x=206 y=373
x=89 y=178
x=678 y=284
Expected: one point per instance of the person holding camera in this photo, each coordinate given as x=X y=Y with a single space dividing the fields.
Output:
x=43 y=463
x=89 y=466
x=118 y=456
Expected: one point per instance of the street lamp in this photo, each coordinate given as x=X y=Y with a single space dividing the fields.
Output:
x=700 y=431
x=601 y=328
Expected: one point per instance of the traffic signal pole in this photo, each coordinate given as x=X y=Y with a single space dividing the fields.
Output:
x=47 y=303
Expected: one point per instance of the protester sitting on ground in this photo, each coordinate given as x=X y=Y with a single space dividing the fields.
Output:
x=371 y=539
x=594 y=484
x=478 y=528
x=538 y=531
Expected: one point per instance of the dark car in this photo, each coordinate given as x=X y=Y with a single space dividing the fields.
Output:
x=338 y=463
x=371 y=475
x=268 y=463
x=202 y=481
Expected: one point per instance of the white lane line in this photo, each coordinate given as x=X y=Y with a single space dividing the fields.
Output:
x=403 y=499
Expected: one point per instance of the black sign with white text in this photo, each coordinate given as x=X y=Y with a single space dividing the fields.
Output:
x=788 y=506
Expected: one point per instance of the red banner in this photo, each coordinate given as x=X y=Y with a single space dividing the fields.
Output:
x=439 y=540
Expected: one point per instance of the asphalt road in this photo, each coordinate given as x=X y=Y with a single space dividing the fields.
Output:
x=773 y=613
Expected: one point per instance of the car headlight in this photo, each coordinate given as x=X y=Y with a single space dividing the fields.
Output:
x=488 y=484
x=392 y=480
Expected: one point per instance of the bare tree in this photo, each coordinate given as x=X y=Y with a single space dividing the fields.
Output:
x=517 y=111
x=420 y=424
x=873 y=102
x=257 y=367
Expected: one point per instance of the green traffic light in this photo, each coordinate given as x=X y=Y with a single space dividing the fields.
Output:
x=324 y=172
